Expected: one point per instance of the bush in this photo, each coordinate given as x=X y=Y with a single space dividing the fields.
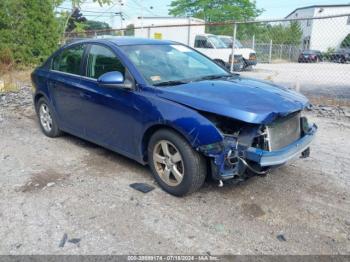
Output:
x=346 y=42
x=6 y=56
x=28 y=31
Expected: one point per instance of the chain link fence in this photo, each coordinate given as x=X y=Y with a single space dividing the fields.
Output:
x=311 y=55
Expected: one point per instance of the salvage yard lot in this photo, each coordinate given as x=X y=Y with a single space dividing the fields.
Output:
x=330 y=80
x=50 y=187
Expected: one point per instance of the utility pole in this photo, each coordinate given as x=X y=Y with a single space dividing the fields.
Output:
x=233 y=46
x=141 y=16
x=120 y=14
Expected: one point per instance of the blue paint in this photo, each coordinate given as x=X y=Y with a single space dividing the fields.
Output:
x=122 y=120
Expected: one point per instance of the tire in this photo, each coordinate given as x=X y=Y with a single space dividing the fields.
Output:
x=49 y=128
x=192 y=165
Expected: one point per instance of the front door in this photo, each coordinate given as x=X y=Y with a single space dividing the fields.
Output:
x=108 y=113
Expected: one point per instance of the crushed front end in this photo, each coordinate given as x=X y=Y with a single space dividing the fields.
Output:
x=255 y=148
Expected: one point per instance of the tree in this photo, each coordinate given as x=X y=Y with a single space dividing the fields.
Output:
x=346 y=42
x=28 y=29
x=130 y=30
x=75 y=4
x=96 y=25
x=75 y=19
x=287 y=34
x=217 y=11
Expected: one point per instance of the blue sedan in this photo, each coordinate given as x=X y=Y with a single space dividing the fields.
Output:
x=166 y=105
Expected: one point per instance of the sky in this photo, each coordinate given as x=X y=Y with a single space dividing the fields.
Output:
x=135 y=8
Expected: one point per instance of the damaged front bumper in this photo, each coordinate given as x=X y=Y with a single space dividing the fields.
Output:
x=278 y=157
x=229 y=158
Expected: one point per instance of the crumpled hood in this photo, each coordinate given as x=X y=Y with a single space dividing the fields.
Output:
x=244 y=99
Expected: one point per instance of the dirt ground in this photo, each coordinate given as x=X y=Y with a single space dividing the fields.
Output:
x=52 y=187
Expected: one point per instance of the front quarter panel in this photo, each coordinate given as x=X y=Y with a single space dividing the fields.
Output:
x=193 y=126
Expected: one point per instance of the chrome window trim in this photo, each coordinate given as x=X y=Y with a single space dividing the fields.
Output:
x=69 y=74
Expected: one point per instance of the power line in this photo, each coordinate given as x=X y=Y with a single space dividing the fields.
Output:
x=105 y=11
x=142 y=7
x=87 y=11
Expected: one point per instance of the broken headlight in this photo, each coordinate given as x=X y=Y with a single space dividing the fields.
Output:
x=215 y=148
x=304 y=125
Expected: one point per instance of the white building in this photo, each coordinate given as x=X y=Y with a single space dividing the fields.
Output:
x=185 y=34
x=321 y=34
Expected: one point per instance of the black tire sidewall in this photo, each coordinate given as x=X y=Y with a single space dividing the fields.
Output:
x=54 y=130
x=194 y=166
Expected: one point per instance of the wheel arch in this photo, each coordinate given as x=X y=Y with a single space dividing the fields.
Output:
x=152 y=130
x=37 y=97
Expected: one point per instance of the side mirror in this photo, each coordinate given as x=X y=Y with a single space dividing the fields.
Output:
x=114 y=79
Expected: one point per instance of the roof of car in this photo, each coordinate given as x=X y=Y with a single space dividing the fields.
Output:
x=125 y=40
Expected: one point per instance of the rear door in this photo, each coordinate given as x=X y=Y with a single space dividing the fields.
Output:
x=65 y=87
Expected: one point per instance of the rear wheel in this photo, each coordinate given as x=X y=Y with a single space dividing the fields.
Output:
x=178 y=169
x=47 y=120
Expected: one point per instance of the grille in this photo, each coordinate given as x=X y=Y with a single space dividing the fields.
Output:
x=283 y=132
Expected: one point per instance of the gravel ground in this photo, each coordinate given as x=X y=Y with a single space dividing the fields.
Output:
x=69 y=189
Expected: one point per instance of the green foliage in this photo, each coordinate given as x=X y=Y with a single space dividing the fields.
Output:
x=346 y=42
x=238 y=10
x=28 y=29
x=6 y=56
x=290 y=34
x=96 y=25
x=77 y=3
x=75 y=20
x=130 y=30
x=215 y=10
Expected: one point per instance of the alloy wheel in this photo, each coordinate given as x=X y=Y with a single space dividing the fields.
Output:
x=45 y=117
x=168 y=163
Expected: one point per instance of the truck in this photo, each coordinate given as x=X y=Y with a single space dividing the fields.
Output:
x=191 y=31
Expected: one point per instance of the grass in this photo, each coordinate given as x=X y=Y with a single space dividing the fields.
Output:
x=11 y=80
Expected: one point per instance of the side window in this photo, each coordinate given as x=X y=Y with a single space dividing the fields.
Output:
x=202 y=43
x=102 y=60
x=69 y=60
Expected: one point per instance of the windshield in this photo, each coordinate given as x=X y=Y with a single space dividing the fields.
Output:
x=238 y=44
x=216 y=41
x=161 y=64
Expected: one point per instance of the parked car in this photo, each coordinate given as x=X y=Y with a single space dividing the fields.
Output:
x=341 y=56
x=166 y=105
x=310 y=56
x=248 y=54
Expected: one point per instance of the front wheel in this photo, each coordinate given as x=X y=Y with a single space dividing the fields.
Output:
x=178 y=169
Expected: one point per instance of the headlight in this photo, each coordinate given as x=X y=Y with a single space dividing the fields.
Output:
x=304 y=125
x=215 y=148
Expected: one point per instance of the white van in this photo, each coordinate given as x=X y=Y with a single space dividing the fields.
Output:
x=191 y=31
